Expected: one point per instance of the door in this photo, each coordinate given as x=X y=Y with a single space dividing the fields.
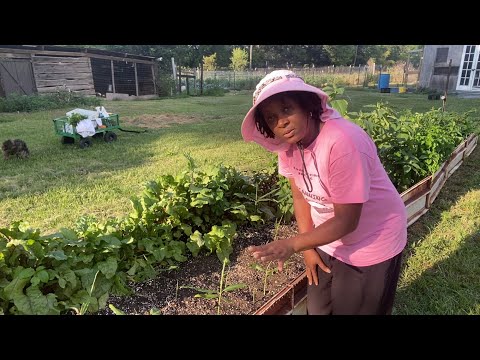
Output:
x=17 y=77
x=469 y=73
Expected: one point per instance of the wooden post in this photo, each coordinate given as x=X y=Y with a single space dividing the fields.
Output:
x=195 y=82
x=407 y=64
x=251 y=46
x=136 y=78
x=179 y=74
x=154 y=81
x=174 y=74
x=365 y=82
x=2 y=91
x=113 y=77
x=444 y=100
x=419 y=70
x=188 y=88
x=201 y=78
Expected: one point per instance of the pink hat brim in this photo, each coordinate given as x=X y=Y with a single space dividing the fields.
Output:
x=249 y=129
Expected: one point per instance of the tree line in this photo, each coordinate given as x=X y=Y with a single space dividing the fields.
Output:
x=275 y=55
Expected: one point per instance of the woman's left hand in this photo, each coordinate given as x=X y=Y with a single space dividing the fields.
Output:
x=279 y=250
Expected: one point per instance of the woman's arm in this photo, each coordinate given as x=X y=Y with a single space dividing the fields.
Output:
x=344 y=221
x=305 y=224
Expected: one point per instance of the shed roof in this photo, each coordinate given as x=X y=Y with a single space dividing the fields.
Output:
x=92 y=51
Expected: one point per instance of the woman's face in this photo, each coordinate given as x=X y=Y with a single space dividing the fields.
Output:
x=285 y=117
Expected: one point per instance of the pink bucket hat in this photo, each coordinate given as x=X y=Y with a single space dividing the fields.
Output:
x=273 y=83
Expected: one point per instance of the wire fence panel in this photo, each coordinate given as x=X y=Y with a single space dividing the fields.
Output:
x=361 y=75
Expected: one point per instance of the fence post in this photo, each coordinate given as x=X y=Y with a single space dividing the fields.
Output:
x=179 y=74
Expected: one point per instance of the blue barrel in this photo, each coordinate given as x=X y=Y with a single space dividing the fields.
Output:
x=383 y=81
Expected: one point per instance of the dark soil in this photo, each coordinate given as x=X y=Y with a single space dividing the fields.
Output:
x=166 y=294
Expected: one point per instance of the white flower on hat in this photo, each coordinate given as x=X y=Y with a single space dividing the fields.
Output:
x=272 y=77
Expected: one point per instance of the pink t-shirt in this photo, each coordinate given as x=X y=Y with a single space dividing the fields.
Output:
x=344 y=168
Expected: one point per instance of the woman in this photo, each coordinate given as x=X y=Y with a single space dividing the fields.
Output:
x=352 y=222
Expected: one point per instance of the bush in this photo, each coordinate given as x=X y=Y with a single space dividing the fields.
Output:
x=58 y=100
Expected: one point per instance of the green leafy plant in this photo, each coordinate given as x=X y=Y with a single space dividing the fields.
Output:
x=411 y=145
x=75 y=118
x=338 y=104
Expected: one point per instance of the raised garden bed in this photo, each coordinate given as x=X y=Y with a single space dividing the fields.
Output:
x=284 y=293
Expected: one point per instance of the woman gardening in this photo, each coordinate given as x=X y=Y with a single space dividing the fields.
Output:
x=352 y=222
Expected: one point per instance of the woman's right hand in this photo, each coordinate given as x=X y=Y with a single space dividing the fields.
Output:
x=312 y=259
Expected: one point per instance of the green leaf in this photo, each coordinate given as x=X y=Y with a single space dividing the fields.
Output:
x=111 y=240
x=15 y=288
x=85 y=258
x=37 y=250
x=70 y=276
x=138 y=209
x=193 y=247
x=102 y=300
x=255 y=218
x=24 y=305
x=206 y=296
x=108 y=267
x=257 y=267
x=57 y=255
x=42 y=275
x=115 y=310
x=234 y=287
x=155 y=311
x=197 y=220
x=69 y=234
x=133 y=269
x=26 y=273
x=197 y=238
x=187 y=229
x=340 y=105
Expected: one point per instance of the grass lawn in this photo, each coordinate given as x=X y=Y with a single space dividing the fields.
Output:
x=59 y=183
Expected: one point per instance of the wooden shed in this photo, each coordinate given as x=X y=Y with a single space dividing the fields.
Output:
x=452 y=68
x=29 y=69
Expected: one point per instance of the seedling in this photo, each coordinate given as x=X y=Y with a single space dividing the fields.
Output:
x=267 y=272
x=216 y=294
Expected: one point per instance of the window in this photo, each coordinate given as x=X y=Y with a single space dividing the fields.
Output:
x=442 y=54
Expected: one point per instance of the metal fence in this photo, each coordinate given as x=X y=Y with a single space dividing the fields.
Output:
x=360 y=75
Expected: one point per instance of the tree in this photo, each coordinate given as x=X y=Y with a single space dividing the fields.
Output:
x=239 y=59
x=210 y=62
x=340 y=54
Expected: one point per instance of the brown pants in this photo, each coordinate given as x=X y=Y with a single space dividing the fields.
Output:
x=354 y=290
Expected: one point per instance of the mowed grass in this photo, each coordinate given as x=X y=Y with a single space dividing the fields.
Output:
x=59 y=183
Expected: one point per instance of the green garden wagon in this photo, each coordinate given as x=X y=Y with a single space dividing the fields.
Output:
x=69 y=133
